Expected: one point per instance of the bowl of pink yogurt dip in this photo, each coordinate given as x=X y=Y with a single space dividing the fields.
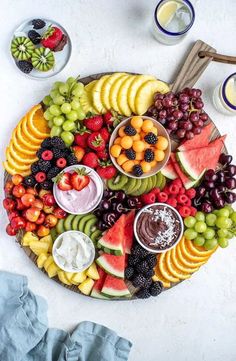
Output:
x=83 y=201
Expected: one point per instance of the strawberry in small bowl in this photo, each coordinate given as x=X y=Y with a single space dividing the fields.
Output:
x=78 y=189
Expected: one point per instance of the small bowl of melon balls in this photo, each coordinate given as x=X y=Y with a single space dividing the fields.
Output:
x=139 y=147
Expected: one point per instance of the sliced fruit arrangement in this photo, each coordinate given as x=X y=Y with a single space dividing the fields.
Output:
x=124 y=93
x=25 y=141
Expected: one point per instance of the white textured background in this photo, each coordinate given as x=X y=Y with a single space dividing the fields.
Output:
x=197 y=320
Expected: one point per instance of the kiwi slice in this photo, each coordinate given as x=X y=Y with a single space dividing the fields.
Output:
x=53 y=233
x=142 y=188
x=96 y=235
x=117 y=182
x=43 y=59
x=60 y=226
x=158 y=179
x=84 y=220
x=130 y=185
x=22 y=48
x=88 y=228
x=68 y=222
x=150 y=184
x=75 y=222
x=137 y=186
x=163 y=183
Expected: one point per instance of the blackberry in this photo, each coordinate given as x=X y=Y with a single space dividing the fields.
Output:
x=143 y=267
x=29 y=181
x=148 y=155
x=53 y=172
x=151 y=259
x=133 y=260
x=34 y=168
x=150 y=138
x=44 y=165
x=34 y=36
x=47 y=185
x=129 y=130
x=129 y=272
x=143 y=293
x=147 y=283
x=47 y=143
x=39 y=152
x=149 y=273
x=139 y=251
x=72 y=160
x=25 y=66
x=58 y=143
x=58 y=153
x=156 y=288
x=139 y=281
x=38 y=23
x=130 y=154
x=137 y=170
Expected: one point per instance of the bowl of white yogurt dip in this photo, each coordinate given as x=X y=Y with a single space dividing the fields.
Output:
x=83 y=201
x=73 y=251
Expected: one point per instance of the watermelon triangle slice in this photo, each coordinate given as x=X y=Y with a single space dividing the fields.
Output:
x=113 y=240
x=96 y=291
x=195 y=161
x=200 y=140
x=169 y=171
x=115 y=287
x=114 y=265
x=129 y=231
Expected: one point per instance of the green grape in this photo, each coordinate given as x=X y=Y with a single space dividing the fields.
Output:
x=68 y=125
x=230 y=208
x=55 y=131
x=211 y=219
x=209 y=233
x=64 y=89
x=199 y=241
x=57 y=84
x=71 y=80
x=55 y=109
x=224 y=212
x=67 y=137
x=210 y=244
x=222 y=233
x=200 y=216
x=190 y=234
x=48 y=115
x=200 y=227
x=66 y=108
x=54 y=93
x=75 y=104
x=230 y=235
x=223 y=242
x=46 y=100
x=81 y=114
x=50 y=123
x=189 y=221
x=78 y=90
x=59 y=100
x=223 y=222
x=58 y=121
x=215 y=212
x=233 y=217
x=72 y=115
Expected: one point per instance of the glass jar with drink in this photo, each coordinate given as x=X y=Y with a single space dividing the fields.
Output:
x=224 y=96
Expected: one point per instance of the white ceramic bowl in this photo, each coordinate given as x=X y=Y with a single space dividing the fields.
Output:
x=99 y=183
x=161 y=131
x=146 y=246
x=86 y=264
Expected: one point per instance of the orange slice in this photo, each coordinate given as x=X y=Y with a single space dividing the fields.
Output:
x=178 y=264
x=164 y=270
x=185 y=261
x=37 y=123
x=28 y=134
x=13 y=171
x=174 y=270
x=19 y=158
x=199 y=251
x=24 y=140
x=188 y=255
x=19 y=146
x=16 y=165
x=158 y=277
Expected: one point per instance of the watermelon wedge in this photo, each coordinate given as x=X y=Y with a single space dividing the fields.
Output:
x=96 y=291
x=199 y=141
x=129 y=231
x=195 y=161
x=113 y=240
x=114 y=265
x=169 y=171
x=115 y=287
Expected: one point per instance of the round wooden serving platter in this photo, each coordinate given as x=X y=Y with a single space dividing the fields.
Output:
x=187 y=76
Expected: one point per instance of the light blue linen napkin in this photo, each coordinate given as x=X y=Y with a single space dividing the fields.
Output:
x=24 y=335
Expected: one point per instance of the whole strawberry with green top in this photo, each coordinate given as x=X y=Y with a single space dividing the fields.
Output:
x=52 y=37
x=96 y=142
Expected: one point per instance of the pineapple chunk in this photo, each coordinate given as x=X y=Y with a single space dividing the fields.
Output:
x=39 y=247
x=52 y=270
x=62 y=277
x=92 y=272
x=78 y=278
x=48 y=262
x=69 y=276
x=47 y=239
x=41 y=260
x=29 y=237
x=86 y=286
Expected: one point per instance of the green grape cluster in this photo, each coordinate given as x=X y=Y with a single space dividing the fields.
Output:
x=64 y=111
x=212 y=229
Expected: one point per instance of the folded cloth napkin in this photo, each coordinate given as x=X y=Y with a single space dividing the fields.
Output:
x=24 y=335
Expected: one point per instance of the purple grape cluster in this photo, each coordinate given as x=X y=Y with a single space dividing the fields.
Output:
x=216 y=187
x=112 y=205
x=181 y=114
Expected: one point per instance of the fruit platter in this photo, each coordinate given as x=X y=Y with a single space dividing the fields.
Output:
x=118 y=187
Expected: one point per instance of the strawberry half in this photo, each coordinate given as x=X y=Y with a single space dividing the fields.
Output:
x=63 y=181
x=52 y=37
x=79 y=179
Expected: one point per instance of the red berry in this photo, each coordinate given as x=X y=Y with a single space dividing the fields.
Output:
x=108 y=118
x=182 y=199
x=94 y=123
x=148 y=198
x=10 y=230
x=173 y=189
x=182 y=190
x=90 y=160
x=105 y=134
x=184 y=211
x=61 y=162
x=172 y=202
x=193 y=211
x=162 y=197
x=166 y=190
x=156 y=191
x=191 y=193
x=103 y=154
x=40 y=177
x=177 y=182
x=106 y=171
x=47 y=155
x=188 y=203
x=81 y=137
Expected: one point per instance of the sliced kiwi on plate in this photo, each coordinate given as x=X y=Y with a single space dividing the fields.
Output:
x=118 y=182
x=43 y=59
x=22 y=48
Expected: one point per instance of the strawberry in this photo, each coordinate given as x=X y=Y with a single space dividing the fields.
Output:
x=51 y=37
x=108 y=118
x=81 y=137
x=96 y=142
x=90 y=159
x=103 y=154
x=64 y=181
x=94 y=123
x=79 y=179
x=79 y=152
x=106 y=171
x=105 y=134
x=111 y=119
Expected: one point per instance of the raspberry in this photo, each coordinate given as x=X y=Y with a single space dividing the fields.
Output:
x=193 y=211
x=162 y=197
x=172 y=202
x=182 y=190
x=173 y=189
x=40 y=177
x=166 y=190
x=182 y=199
x=188 y=203
x=61 y=162
x=184 y=211
x=177 y=182
x=47 y=155
x=156 y=191
x=191 y=193
x=148 y=198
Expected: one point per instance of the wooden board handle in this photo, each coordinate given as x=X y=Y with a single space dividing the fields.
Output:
x=220 y=58
x=193 y=66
